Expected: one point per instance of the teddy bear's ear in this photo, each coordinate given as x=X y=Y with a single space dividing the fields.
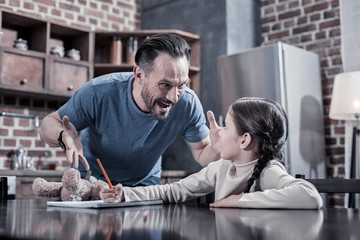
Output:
x=43 y=188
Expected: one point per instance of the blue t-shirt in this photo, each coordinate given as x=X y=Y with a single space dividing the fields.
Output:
x=129 y=142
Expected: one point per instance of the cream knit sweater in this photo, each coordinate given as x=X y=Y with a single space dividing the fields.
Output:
x=275 y=188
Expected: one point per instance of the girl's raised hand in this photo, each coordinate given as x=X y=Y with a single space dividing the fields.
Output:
x=214 y=132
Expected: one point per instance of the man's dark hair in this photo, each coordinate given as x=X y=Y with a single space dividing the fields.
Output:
x=171 y=44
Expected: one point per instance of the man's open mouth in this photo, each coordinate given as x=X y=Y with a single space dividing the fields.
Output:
x=164 y=105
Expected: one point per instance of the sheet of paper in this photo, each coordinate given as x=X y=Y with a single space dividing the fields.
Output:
x=100 y=204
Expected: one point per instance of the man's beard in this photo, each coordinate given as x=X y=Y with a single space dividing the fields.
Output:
x=162 y=116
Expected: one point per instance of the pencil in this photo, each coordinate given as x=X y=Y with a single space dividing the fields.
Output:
x=106 y=176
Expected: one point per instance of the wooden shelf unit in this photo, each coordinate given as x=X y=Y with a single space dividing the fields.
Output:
x=16 y=26
x=36 y=72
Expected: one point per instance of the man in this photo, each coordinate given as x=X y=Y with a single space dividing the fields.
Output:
x=129 y=119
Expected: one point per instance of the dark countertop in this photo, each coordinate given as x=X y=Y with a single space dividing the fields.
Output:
x=32 y=173
x=31 y=219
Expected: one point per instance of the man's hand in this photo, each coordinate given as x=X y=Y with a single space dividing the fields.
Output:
x=214 y=132
x=74 y=147
x=109 y=196
x=231 y=201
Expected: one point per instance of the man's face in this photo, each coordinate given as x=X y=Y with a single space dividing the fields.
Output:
x=165 y=85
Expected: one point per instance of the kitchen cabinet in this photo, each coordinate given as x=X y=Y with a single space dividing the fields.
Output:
x=22 y=70
x=67 y=76
x=40 y=70
x=34 y=69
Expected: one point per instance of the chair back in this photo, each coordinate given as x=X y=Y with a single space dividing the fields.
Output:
x=336 y=185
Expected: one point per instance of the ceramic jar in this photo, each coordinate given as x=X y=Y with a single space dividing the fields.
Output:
x=73 y=54
x=58 y=51
x=21 y=44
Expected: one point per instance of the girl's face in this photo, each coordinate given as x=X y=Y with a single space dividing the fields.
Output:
x=229 y=139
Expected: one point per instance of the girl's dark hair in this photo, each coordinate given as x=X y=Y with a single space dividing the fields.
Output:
x=267 y=123
x=171 y=44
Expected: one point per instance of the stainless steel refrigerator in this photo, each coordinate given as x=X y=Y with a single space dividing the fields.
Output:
x=290 y=76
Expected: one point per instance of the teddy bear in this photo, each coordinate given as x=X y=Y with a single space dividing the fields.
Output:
x=71 y=188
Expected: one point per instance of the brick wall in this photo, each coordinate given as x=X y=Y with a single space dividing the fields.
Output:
x=313 y=25
x=109 y=15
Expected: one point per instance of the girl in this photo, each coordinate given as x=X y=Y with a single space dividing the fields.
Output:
x=249 y=173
